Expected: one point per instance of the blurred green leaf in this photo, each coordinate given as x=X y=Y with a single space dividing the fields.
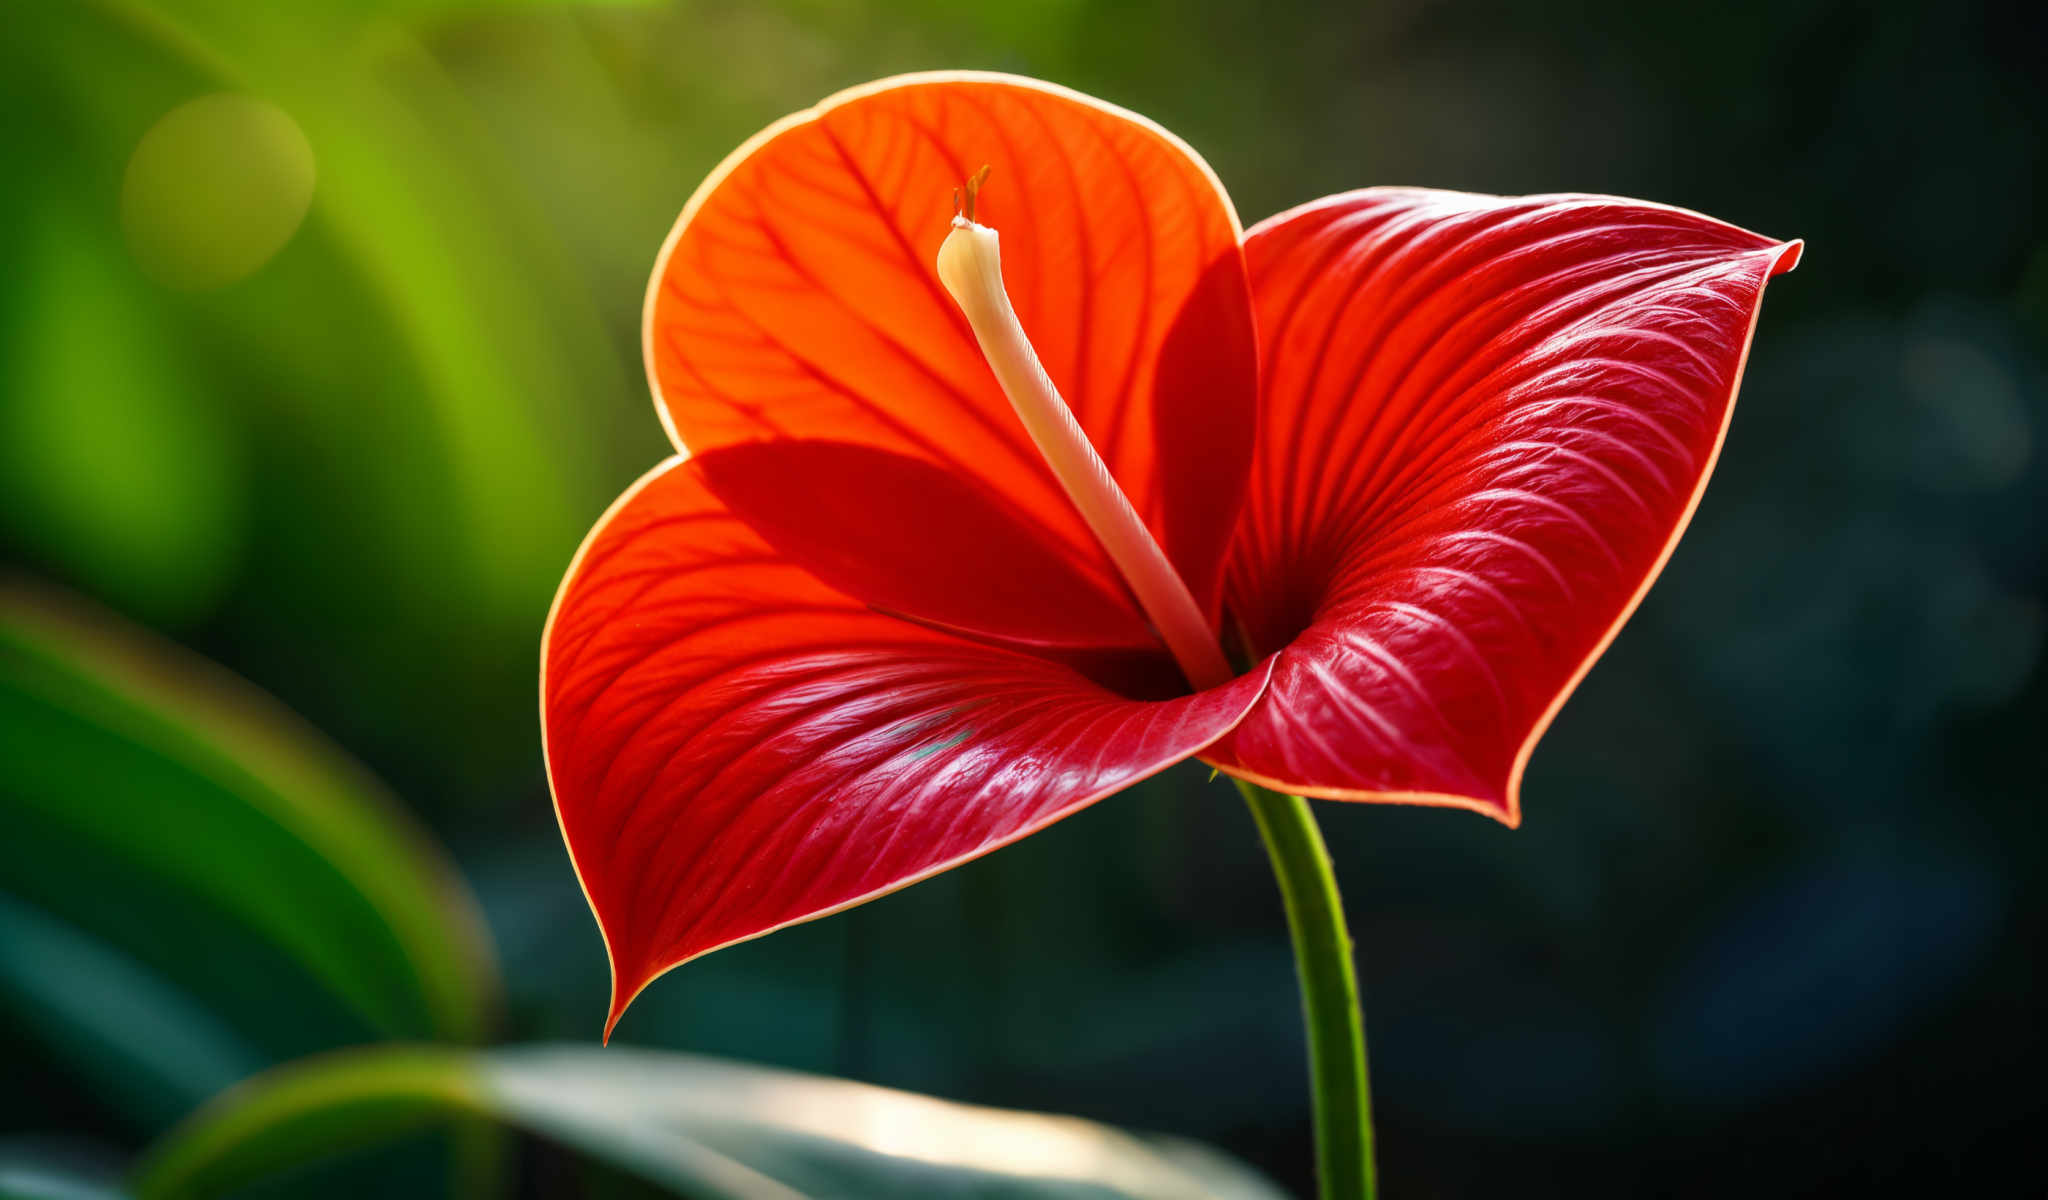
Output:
x=114 y=460
x=159 y=803
x=696 y=1126
x=29 y=1182
x=29 y=1172
x=141 y=1043
x=383 y=431
x=505 y=346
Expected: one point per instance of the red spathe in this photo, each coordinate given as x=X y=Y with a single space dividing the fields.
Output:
x=1417 y=453
x=1485 y=422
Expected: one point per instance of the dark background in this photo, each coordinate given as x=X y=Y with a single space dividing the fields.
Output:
x=1769 y=925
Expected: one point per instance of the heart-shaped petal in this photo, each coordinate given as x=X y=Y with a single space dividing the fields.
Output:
x=1485 y=423
x=798 y=298
x=736 y=746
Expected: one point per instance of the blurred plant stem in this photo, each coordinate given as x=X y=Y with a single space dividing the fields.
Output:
x=1329 y=992
x=348 y=1099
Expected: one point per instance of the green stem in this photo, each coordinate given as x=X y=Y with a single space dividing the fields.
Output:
x=1329 y=993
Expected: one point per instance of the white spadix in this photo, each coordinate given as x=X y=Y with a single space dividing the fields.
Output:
x=970 y=266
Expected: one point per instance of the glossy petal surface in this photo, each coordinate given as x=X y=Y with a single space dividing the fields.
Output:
x=1485 y=422
x=735 y=746
x=798 y=298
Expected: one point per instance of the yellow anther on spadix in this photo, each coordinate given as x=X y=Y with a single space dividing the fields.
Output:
x=970 y=266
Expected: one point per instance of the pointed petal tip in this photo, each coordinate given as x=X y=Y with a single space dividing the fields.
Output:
x=614 y=1009
x=1505 y=806
x=1507 y=812
x=1788 y=257
x=627 y=985
x=621 y=1000
x=627 y=981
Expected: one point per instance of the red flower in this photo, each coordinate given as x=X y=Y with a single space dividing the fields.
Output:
x=1416 y=454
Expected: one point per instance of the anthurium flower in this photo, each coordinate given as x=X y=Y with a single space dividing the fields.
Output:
x=1412 y=456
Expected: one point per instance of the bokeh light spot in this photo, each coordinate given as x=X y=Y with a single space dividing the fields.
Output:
x=214 y=190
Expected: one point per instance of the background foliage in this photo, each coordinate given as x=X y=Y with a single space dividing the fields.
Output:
x=324 y=376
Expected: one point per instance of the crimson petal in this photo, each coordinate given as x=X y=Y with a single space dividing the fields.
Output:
x=735 y=746
x=1485 y=422
x=798 y=298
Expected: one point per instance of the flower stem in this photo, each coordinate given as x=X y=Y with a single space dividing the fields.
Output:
x=1329 y=992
